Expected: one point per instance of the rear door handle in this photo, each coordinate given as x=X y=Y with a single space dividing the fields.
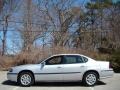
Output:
x=59 y=67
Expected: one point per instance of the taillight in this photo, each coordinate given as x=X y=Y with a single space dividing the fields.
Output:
x=110 y=65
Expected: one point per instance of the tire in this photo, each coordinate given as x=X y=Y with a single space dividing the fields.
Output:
x=90 y=79
x=25 y=79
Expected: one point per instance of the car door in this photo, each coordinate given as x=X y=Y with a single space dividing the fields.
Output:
x=74 y=66
x=52 y=69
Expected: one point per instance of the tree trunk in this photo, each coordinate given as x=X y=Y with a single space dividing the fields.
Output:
x=4 y=35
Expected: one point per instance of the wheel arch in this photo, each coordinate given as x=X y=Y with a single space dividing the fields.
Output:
x=95 y=71
x=25 y=71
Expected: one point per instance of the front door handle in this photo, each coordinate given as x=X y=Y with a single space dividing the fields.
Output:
x=82 y=66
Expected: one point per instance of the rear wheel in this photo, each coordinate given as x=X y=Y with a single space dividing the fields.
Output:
x=90 y=79
x=26 y=79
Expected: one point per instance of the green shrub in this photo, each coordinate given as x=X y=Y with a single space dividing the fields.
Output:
x=115 y=60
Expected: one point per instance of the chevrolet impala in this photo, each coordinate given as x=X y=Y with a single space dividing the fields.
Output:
x=62 y=68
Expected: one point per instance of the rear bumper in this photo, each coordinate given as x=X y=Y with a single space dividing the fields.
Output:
x=12 y=76
x=106 y=74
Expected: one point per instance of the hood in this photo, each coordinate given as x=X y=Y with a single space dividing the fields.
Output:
x=27 y=66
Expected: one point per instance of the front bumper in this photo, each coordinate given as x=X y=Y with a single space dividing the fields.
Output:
x=12 y=76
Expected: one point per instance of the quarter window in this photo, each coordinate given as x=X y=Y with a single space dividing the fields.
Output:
x=85 y=59
x=80 y=59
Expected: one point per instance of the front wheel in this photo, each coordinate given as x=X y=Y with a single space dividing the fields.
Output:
x=26 y=79
x=90 y=79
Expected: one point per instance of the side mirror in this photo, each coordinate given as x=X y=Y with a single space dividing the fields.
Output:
x=43 y=64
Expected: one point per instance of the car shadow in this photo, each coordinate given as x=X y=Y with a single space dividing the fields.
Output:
x=8 y=82
x=53 y=84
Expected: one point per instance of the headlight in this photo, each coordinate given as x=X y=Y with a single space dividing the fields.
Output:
x=10 y=70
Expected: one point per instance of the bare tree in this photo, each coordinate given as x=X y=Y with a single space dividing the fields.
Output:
x=31 y=31
x=114 y=23
x=60 y=16
x=7 y=8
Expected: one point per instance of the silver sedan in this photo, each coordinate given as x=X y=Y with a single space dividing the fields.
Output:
x=62 y=68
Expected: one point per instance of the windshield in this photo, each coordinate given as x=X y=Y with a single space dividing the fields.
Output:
x=39 y=61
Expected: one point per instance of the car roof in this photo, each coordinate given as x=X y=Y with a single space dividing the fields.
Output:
x=66 y=54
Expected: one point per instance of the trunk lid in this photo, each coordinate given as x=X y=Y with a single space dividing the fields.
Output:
x=104 y=64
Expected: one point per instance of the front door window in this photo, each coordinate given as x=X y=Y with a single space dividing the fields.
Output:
x=54 y=60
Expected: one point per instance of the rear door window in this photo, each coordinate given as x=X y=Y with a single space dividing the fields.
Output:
x=71 y=59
